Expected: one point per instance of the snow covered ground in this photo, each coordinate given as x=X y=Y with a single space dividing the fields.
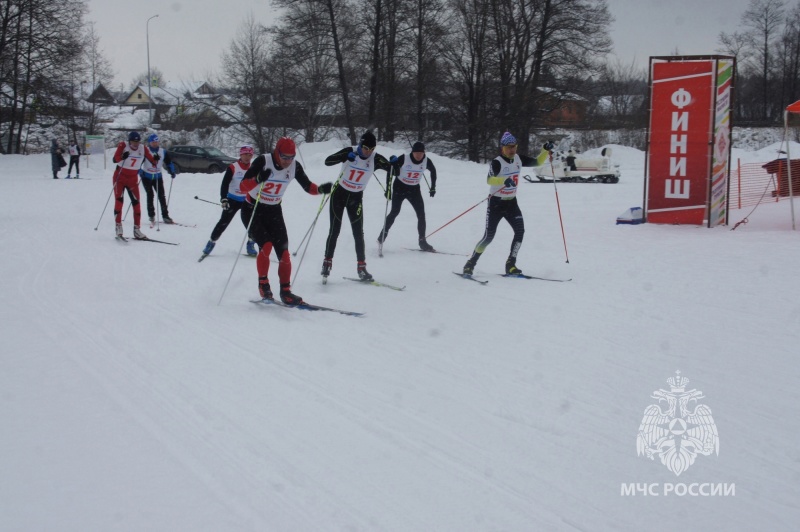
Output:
x=131 y=400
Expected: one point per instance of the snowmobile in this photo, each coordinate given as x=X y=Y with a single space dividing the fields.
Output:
x=573 y=168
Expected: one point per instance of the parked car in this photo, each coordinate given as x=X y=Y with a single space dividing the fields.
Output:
x=199 y=159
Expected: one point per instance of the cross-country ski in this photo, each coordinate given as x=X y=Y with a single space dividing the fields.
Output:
x=471 y=278
x=305 y=306
x=524 y=276
x=374 y=283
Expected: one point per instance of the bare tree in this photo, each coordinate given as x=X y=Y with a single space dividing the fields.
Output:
x=157 y=79
x=306 y=62
x=467 y=53
x=38 y=42
x=245 y=67
x=624 y=86
x=96 y=69
x=763 y=20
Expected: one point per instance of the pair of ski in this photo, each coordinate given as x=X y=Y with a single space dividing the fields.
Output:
x=146 y=239
x=362 y=281
x=305 y=306
x=516 y=275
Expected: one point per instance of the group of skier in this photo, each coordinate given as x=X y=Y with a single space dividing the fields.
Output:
x=255 y=188
x=133 y=161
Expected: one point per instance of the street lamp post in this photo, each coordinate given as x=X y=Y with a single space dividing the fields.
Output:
x=149 y=80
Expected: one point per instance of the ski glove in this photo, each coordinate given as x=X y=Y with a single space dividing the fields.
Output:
x=548 y=145
x=226 y=204
x=393 y=159
x=263 y=175
x=325 y=188
x=125 y=155
x=433 y=192
x=351 y=156
x=509 y=183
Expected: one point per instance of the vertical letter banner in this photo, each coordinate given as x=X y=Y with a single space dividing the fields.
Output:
x=680 y=135
x=720 y=169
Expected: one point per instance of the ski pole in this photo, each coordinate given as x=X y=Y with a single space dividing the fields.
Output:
x=158 y=202
x=246 y=236
x=211 y=202
x=104 y=208
x=459 y=216
x=558 y=204
x=169 y=196
x=385 y=212
x=309 y=233
x=321 y=205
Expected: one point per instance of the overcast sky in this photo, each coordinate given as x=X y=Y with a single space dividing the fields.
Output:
x=188 y=37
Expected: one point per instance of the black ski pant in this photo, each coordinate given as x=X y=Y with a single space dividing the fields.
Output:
x=227 y=216
x=342 y=200
x=151 y=188
x=412 y=193
x=76 y=160
x=501 y=209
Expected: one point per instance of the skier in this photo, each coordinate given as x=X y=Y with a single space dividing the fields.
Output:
x=502 y=180
x=265 y=184
x=358 y=165
x=128 y=158
x=232 y=199
x=407 y=187
x=74 y=159
x=151 y=179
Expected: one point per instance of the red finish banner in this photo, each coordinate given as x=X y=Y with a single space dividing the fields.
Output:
x=681 y=121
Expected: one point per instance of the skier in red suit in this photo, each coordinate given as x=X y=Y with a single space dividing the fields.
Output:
x=129 y=157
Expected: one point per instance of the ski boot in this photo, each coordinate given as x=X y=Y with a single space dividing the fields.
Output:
x=363 y=274
x=137 y=233
x=167 y=220
x=251 y=248
x=119 y=231
x=327 y=264
x=469 y=267
x=511 y=267
x=424 y=246
x=288 y=297
x=382 y=236
x=263 y=289
x=209 y=247
x=68 y=177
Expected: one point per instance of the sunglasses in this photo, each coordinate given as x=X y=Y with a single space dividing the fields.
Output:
x=366 y=148
x=286 y=157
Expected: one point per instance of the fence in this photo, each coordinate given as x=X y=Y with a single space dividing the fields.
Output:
x=754 y=183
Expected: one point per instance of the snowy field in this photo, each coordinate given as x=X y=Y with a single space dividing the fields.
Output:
x=131 y=400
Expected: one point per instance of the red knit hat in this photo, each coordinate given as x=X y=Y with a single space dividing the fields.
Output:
x=285 y=146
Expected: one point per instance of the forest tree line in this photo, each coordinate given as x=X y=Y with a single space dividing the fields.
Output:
x=460 y=71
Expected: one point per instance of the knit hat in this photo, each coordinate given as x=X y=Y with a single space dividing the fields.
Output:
x=246 y=149
x=152 y=138
x=368 y=140
x=418 y=146
x=285 y=146
x=508 y=139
